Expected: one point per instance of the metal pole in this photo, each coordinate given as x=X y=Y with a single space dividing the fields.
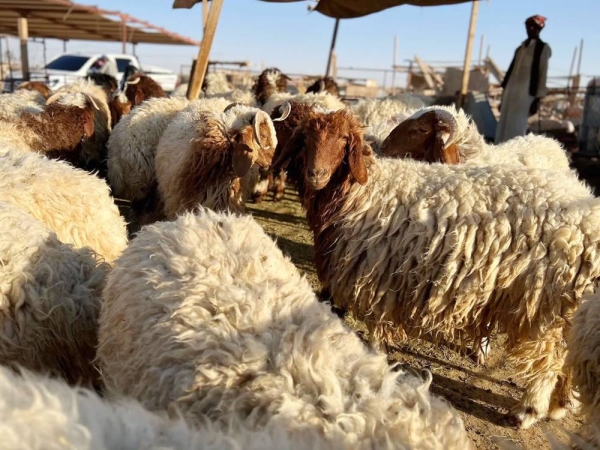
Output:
x=9 y=60
x=23 y=36
x=204 y=50
x=394 y=65
x=1 y=62
x=481 y=49
x=65 y=46
x=124 y=34
x=468 y=52
x=580 y=55
x=335 y=31
x=571 y=69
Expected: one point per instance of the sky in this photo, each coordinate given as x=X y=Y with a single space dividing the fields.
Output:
x=288 y=36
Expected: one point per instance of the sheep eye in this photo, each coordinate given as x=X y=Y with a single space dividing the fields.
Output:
x=423 y=130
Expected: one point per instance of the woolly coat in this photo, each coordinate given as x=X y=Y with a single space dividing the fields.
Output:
x=74 y=204
x=584 y=358
x=49 y=299
x=374 y=111
x=16 y=103
x=206 y=316
x=39 y=413
x=194 y=159
x=324 y=100
x=456 y=252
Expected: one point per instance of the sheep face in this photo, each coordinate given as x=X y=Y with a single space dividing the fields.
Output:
x=426 y=137
x=36 y=86
x=119 y=106
x=326 y=144
x=254 y=144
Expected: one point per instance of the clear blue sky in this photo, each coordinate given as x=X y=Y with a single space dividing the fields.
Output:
x=295 y=40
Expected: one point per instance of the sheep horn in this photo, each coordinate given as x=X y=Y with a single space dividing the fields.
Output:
x=133 y=82
x=89 y=97
x=285 y=110
x=232 y=105
x=259 y=118
x=447 y=117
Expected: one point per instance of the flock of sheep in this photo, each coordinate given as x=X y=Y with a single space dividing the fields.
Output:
x=173 y=321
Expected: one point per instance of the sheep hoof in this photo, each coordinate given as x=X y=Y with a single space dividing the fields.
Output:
x=524 y=419
x=558 y=413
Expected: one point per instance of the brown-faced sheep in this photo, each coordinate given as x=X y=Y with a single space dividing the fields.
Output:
x=119 y=106
x=38 y=86
x=269 y=82
x=451 y=252
x=325 y=84
x=203 y=153
x=139 y=88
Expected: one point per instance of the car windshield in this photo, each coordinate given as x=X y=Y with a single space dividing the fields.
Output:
x=72 y=63
x=122 y=64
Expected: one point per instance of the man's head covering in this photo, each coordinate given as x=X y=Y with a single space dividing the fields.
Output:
x=540 y=21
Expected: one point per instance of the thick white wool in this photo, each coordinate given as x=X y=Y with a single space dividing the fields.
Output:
x=13 y=105
x=206 y=316
x=322 y=99
x=132 y=146
x=216 y=83
x=49 y=299
x=584 y=359
x=457 y=251
x=374 y=111
x=75 y=205
x=39 y=413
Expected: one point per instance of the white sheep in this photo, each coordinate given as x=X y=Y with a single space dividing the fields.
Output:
x=583 y=358
x=50 y=299
x=323 y=100
x=376 y=110
x=453 y=130
x=204 y=315
x=203 y=153
x=452 y=252
x=75 y=205
x=39 y=413
x=16 y=103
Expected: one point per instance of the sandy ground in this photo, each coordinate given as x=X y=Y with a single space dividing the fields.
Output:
x=482 y=394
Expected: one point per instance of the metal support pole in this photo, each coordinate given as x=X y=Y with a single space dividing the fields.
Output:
x=65 y=46
x=124 y=34
x=23 y=37
x=481 y=49
x=580 y=55
x=468 y=53
x=394 y=65
x=335 y=31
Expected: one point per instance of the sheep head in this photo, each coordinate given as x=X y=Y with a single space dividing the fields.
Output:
x=38 y=86
x=119 y=106
x=325 y=144
x=270 y=81
x=254 y=143
x=425 y=136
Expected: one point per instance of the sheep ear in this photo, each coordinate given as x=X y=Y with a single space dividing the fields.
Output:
x=356 y=160
x=139 y=97
x=241 y=159
x=88 y=126
x=292 y=147
x=259 y=118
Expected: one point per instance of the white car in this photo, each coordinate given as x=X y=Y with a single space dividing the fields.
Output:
x=68 y=67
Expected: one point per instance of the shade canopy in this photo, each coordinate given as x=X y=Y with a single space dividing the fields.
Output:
x=65 y=20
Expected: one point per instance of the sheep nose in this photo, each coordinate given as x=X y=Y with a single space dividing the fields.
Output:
x=312 y=173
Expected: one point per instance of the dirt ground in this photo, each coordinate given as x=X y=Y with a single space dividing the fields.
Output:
x=482 y=394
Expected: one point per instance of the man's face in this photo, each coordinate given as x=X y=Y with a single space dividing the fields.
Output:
x=533 y=30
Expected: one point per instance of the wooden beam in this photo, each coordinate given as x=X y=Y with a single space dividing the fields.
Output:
x=481 y=49
x=204 y=13
x=123 y=35
x=467 y=66
x=23 y=36
x=579 y=61
x=332 y=48
x=204 y=50
x=426 y=72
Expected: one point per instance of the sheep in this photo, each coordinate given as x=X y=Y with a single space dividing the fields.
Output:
x=37 y=413
x=583 y=357
x=326 y=84
x=203 y=153
x=59 y=131
x=74 y=204
x=215 y=83
x=140 y=87
x=94 y=149
x=38 y=86
x=374 y=111
x=14 y=104
x=50 y=295
x=104 y=80
x=322 y=100
x=119 y=106
x=449 y=252
x=204 y=315
x=269 y=82
x=435 y=130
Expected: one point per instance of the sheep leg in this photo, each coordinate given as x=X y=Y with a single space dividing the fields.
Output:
x=561 y=397
x=481 y=350
x=541 y=362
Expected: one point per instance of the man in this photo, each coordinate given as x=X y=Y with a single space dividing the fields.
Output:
x=105 y=64
x=525 y=82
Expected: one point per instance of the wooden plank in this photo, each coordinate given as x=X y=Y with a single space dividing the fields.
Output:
x=23 y=36
x=204 y=50
x=468 y=52
x=494 y=69
x=426 y=70
x=332 y=48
